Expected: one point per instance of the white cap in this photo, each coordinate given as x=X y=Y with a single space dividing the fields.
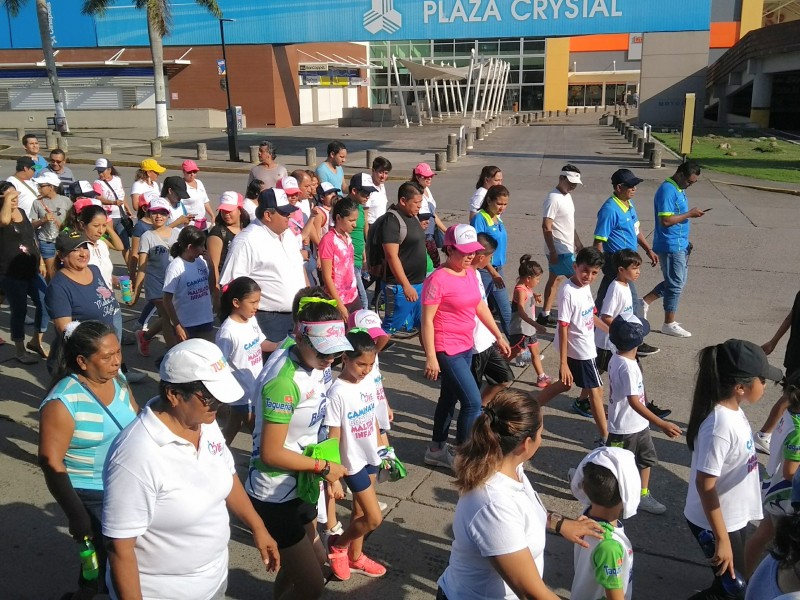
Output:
x=101 y=164
x=147 y=197
x=289 y=185
x=47 y=178
x=200 y=360
x=572 y=177
x=159 y=203
x=463 y=238
x=228 y=201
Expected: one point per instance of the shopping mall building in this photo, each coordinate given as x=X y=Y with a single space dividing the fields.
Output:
x=288 y=66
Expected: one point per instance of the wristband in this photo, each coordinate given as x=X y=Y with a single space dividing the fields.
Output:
x=560 y=522
x=317 y=467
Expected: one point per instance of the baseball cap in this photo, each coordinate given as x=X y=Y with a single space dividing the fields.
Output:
x=626 y=334
x=25 y=162
x=289 y=185
x=176 y=184
x=200 y=360
x=159 y=204
x=47 y=178
x=463 y=238
x=151 y=164
x=189 y=166
x=146 y=198
x=326 y=188
x=82 y=189
x=276 y=199
x=327 y=337
x=424 y=170
x=67 y=241
x=229 y=201
x=625 y=177
x=366 y=319
x=363 y=181
x=740 y=358
x=572 y=176
x=101 y=164
x=83 y=202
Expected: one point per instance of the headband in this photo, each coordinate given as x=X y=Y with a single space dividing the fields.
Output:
x=70 y=329
x=313 y=300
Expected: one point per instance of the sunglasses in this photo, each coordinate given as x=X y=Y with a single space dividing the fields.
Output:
x=212 y=403
x=321 y=355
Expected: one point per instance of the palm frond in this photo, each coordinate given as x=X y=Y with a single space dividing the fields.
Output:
x=158 y=11
x=96 y=7
x=13 y=6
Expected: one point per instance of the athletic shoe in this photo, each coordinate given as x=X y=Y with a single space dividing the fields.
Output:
x=404 y=334
x=647 y=350
x=326 y=534
x=543 y=381
x=674 y=329
x=523 y=359
x=337 y=557
x=649 y=504
x=645 y=308
x=600 y=443
x=382 y=506
x=762 y=441
x=135 y=376
x=547 y=321
x=583 y=407
x=142 y=343
x=661 y=413
x=366 y=566
x=443 y=457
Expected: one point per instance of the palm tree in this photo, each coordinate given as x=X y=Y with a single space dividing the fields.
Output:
x=159 y=19
x=43 y=16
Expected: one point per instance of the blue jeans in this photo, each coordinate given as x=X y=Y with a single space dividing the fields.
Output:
x=458 y=385
x=17 y=293
x=405 y=315
x=362 y=292
x=498 y=298
x=675 y=268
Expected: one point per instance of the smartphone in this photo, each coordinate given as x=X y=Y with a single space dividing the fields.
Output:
x=707 y=209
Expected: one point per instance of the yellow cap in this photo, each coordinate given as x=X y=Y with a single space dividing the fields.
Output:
x=151 y=164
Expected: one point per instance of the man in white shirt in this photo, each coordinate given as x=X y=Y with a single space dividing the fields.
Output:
x=22 y=180
x=268 y=252
x=378 y=201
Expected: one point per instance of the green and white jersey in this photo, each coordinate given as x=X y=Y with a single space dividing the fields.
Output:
x=784 y=446
x=285 y=393
x=606 y=564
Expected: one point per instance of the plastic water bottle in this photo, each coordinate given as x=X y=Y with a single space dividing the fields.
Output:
x=126 y=289
x=88 y=555
x=708 y=544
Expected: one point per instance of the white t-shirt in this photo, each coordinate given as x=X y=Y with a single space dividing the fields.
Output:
x=140 y=187
x=559 y=207
x=191 y=295
x=482 y=338
x=196 y=203
x=625 y=379
x=618 y=301
x=477 y=199
x=351 y=406
x=724 y=448
x=241 y=345
x=382 y=409
x=104 y=188
x=500 y=517
x=170 y=496
x=605 y=564
x=428 y=202
x=377 y=203
x=176 y=212
x=28 y=192
x=576 y=307
x=305 y=207
x=100 y=257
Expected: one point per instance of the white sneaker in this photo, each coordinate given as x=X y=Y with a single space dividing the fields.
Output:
x=762 y=441
x=443 y=457
x=674 y=329
x=382 y=505
x=325 y=534
x=649 y=504
x=645 y=308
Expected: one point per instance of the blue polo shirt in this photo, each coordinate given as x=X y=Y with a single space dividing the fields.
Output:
x=617 y=226
x=484 y=223
x=670 y=200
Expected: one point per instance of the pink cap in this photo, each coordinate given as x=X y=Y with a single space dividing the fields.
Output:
x=82 y=203
x=424 y=170
x=463 y=238
x=367 y=319
x=189 y=166
x=159 y=204
x=229 y=201
x=145 y=198
x=289 y=185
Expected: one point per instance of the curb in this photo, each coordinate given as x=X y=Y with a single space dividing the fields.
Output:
x=761 y=188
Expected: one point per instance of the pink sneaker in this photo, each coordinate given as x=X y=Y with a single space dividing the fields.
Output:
x=338 y=559
x=543 y=381
x=142 y=343
x=366 y=566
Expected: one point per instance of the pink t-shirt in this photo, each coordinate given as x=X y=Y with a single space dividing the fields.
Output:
x=339 y=249
x=458 y=298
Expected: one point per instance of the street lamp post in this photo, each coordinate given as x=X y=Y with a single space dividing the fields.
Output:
x=233 y=146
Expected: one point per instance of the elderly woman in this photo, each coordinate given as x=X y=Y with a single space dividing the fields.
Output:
x=451 y=300
x=197 y=203
x=170 y=481
x=231 y=219
x=21 y=274
x=88 y=404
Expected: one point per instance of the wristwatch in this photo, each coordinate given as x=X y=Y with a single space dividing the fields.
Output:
x=558 y=520
x=326 y=469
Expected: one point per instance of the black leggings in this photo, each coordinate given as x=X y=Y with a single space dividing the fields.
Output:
x=716 y=591
x=440 y=595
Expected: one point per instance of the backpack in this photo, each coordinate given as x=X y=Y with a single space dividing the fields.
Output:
x=376 y=259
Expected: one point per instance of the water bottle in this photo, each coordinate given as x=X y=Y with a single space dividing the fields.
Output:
x=734 y=587
x=126 y=289
x=88 y=555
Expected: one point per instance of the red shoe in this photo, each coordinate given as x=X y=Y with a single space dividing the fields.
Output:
x=543 y=381
x=338 y=559
x=142 y=343
x=366 y=566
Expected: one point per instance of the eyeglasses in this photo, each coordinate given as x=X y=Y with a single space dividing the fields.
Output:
x=212 y=403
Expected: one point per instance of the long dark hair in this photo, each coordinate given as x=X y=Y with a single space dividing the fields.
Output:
x=89 y=214
x=710 y=388
x=487 y=172
x=505 y=422
x=82 y=342
x=493 y=193
x=189 y=236
x=237 y=289
x=4 y=186
x=253 y=189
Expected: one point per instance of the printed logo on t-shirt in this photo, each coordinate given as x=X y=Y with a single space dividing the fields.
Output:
x=319 y=416
x=286 y=407
x=105 y=304
x=198 y=288
x=215 y=447
x=752 y=460
x=362 y=421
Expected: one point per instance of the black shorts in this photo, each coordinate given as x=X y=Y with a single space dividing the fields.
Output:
x=286 y=521
x=520 y=340
x=640 y=443
x=358 y=482
x=603 y=358
x=492 y=365
x=584 y=373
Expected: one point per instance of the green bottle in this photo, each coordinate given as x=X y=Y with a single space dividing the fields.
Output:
x=89 y=568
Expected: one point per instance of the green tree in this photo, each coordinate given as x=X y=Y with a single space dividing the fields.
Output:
x=159 y=20
x=43 y=16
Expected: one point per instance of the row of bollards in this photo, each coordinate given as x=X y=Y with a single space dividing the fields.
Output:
x=635 y=136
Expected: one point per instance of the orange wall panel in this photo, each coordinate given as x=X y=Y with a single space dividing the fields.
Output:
x=599 y=43
x=724 y=35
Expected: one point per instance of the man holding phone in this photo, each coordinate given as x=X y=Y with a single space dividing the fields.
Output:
x=671 y=242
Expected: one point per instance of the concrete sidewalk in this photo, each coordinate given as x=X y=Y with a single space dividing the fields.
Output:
x=742 y=281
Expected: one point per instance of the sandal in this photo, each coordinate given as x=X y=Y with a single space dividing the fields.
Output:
x=27 y=358
x=36 y=349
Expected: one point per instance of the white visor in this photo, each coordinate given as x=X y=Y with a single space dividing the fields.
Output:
x=572 y=176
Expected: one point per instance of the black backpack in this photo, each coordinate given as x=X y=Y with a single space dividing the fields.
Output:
x=376 y=259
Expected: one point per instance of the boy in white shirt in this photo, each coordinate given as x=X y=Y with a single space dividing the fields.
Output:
x=629 y=418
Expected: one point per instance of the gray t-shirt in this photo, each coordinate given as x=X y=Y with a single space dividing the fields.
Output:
x=158 y=258
x=58 y=206
x=66 y=176
x=270 y=176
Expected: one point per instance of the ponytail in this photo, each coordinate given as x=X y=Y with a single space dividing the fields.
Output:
x=238 y=289
x=529 y=267
x=189 y=236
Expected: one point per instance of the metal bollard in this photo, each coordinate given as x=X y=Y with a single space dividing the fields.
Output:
x=371 y=154
x=655 y=158
x=105 y=146
x=470 y=140
x=648 y=149
x=50 y=139
x=155 y=148
x=311 y=157
x=254 y=154
x=440 y=164
x=62 y=143
x=480 y=132
x=202 y=151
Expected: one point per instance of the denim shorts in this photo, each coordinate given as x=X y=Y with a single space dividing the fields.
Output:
x=48 y=249
x=358 y=482
x=564 y=265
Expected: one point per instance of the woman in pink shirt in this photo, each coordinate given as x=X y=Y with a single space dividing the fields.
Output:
x=337 y=259
x=451 y=299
